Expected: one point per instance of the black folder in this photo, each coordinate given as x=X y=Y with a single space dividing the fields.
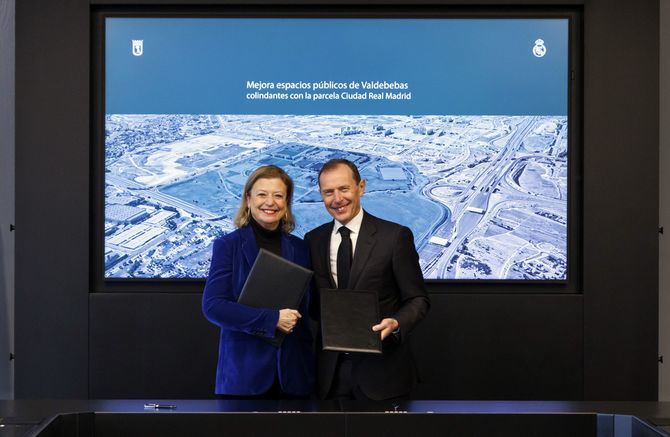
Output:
x=347 y=318
x=274 y=283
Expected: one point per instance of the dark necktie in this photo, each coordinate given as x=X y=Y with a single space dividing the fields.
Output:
x=344 y=256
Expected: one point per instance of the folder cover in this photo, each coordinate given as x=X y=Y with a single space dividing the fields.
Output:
x=347 y=318
x=275 y=283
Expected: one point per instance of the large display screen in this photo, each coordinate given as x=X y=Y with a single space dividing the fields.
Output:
x=459 y=126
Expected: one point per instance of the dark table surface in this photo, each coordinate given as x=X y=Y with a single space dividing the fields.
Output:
x=24 y=417
x=43 y=408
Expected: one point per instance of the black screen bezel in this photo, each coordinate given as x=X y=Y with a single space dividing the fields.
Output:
x=573 y=282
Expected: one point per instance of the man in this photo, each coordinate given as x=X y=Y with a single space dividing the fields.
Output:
x=382 y=257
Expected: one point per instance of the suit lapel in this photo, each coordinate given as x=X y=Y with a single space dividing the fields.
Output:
x=364 y=245
x=287 y=250
x=249 y=246
x=324 y=250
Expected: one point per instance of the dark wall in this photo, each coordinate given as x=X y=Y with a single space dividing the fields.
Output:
x=7 y=32
x=620 y=199
x=597 y=344
x=52 y=199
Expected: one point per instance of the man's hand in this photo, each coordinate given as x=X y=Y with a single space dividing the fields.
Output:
x=287 y=320
x=386 y=326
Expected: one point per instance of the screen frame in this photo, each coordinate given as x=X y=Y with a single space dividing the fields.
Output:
x=573 y=282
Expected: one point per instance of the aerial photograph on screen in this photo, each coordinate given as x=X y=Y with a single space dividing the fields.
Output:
x=485 y=196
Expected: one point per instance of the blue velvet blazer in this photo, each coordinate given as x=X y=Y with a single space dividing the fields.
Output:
x=248 y=364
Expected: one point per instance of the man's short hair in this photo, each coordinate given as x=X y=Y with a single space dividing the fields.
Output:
x=330 y=165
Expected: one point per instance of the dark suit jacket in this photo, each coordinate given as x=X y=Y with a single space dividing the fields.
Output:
x=385 y=260
x=247 y=363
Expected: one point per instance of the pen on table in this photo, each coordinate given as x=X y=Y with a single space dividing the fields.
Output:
x=160 y=406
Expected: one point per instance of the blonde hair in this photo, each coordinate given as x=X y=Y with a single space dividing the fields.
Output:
x=243 y=215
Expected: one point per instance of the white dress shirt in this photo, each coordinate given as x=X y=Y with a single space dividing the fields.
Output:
x=354 y=226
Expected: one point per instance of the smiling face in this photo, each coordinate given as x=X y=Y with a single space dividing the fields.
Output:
x=341 y=193
x=267 y=202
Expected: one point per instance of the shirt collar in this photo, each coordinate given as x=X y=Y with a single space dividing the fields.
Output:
x=354 y=224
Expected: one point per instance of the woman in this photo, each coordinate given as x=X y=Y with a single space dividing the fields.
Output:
x=249 y=366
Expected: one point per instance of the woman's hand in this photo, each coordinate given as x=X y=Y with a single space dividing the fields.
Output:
x=287 y=320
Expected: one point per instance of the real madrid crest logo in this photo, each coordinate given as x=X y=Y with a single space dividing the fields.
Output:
x=539 y=49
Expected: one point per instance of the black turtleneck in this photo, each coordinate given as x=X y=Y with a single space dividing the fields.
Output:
x=266 y=239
